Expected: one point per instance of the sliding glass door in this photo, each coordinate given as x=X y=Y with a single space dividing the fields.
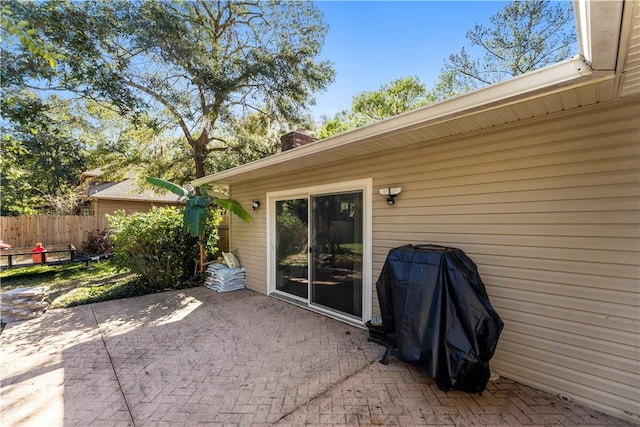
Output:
x=318 y=243
x=291 y=247
x=336 y=252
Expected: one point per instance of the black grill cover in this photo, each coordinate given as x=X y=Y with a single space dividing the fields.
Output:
x=436 y=314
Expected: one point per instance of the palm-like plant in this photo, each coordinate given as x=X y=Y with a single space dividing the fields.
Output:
x=195 y=211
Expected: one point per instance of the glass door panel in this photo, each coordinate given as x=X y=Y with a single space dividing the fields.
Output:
x=292 y=265
x=336 y=252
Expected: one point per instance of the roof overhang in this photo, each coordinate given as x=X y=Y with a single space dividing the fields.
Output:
x=598 y=25
x=436 y=120
x=358 y=140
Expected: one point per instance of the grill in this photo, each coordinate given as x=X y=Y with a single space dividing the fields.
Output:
x=436 y=314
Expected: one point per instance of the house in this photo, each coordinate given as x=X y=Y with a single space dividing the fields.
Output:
x=535 y=178
x=106 y=197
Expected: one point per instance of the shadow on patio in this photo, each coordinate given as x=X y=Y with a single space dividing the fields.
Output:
x=194 y=356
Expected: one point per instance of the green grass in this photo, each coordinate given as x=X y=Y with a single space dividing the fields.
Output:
x=71 y=285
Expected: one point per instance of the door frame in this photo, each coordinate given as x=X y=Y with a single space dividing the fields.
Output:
x=364 y=185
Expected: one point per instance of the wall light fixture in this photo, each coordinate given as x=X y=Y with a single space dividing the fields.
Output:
x=391 y=193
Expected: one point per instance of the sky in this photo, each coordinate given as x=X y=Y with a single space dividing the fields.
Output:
x=372 y=43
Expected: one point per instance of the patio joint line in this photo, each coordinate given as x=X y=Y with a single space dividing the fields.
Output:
x=329 y=388
x=115 y=373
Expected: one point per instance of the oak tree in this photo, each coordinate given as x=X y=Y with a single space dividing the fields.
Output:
x=200 y=62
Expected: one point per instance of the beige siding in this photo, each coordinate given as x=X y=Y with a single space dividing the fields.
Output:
x=106 y=206
x=548 y=209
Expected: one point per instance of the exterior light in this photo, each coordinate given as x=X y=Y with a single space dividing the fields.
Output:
x=391 y=193
x=255 y=204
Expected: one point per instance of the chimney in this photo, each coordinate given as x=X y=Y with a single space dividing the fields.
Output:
x=296 y=138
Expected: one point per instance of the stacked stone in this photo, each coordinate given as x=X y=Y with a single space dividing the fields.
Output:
x=23 y=303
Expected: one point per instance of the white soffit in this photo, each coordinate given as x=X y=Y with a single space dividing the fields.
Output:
x=598 y=24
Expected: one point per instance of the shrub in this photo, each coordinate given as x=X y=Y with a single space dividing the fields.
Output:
x=157 y=246
x=214 y=218
x=97 y=242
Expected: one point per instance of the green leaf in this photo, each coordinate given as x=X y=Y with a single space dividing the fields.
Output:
x=199 y=201
x=235 y=208
x=169 y=186
x=195 y=215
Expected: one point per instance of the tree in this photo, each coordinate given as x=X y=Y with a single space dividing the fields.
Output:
x=46 y=156
x=33 y=58
x=200 y=62
x=65 y=202
x=41 y=152
x=524 y=36
x=119 y=144
x=252 y=137
x=397 y=97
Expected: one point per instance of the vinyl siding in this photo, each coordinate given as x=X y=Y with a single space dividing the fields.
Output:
x=549 y=209
x=106 y=206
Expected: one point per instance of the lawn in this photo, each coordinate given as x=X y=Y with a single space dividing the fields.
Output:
x=71 y=285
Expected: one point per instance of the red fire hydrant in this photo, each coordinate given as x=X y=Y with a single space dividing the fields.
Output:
x=37 y=256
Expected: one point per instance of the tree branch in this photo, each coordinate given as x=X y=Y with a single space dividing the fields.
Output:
x=167 y=104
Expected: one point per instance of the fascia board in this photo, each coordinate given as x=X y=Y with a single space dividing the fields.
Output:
x=535 y=82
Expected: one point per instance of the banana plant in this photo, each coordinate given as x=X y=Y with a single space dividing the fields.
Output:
x=195 y=211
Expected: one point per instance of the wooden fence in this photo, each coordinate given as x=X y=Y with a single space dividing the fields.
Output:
x=26 y=231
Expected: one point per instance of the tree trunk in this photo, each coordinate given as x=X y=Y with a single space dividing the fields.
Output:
x=201 y=244
x=200 y=153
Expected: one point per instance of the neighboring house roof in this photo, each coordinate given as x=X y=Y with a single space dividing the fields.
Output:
x=93 y=188
x=126 y=190
x=594 y=77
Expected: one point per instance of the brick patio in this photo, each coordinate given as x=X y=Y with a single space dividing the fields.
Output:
x=197 y=357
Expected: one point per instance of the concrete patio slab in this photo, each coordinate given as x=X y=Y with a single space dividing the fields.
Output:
x=196 y=357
